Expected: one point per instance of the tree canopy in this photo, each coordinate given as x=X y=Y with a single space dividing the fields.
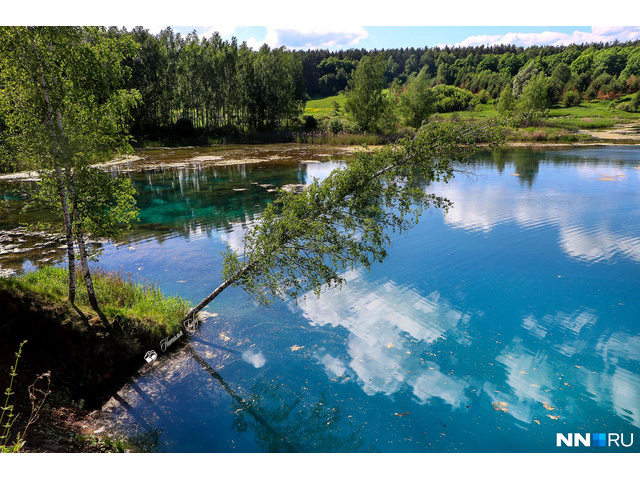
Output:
x=62 y=109
x=366 y=102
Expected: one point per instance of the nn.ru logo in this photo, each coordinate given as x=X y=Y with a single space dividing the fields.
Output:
x=593 y=440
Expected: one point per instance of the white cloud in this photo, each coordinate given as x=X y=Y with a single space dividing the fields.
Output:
x=223 y=30
x=254 y=358
x=482 y=208
x=597 y=34
x=311 y=38
x=390 y=327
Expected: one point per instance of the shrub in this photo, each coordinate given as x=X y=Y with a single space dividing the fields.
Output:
x=310 y=122
x=571 y=98
x=483 y=96
x=336 y=125
x=635 y=103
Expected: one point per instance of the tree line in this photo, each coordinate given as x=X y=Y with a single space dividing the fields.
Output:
x=484 y=67
x=188 y=83
x=192 y=86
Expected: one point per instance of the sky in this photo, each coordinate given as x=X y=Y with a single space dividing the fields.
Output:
x=379 y=37
x=344 y=24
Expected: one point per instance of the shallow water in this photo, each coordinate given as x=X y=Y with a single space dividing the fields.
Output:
x=491 y=328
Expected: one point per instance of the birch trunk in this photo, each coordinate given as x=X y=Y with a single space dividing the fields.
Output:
x=209 y=298
x=86 y=273
x=55 y=137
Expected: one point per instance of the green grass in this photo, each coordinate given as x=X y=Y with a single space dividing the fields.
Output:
x=139 y=303
x=482 y=111
x=587 y=116
x=545 y=134
x=323 y=107
x=590 y=115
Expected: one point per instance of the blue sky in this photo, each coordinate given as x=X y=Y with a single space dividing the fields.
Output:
x=341 y=24
x=379 y=37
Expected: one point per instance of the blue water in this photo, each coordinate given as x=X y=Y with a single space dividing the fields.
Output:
x=492 y=327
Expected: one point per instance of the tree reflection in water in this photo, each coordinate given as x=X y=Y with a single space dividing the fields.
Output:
x=283 y=421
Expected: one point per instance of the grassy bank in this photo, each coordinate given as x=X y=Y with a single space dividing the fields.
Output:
x=87 y=361
x=138 y=303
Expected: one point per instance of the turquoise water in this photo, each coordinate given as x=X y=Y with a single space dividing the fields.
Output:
x=491 y=328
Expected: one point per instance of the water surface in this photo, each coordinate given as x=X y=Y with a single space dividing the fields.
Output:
x=491 y=328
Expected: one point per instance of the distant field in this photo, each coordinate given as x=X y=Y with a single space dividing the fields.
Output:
x=593 y=115
x=588 y=115
x=322 y=107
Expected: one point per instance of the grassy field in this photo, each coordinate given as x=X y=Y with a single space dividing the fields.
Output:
x=323 y=107
x=586 y=116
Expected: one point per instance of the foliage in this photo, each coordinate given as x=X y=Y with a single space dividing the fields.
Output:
x=213 y=82
x=106 y=204
x=522 y=78
x=81 y=68
x=310 y=122
x=571 y=98
x=452 y=99
x=417 y=102
x=366 y=102
x=306 y=239
x=506 y=101
x=63 y=106
x=37 y=397
x=534 y=94
x=139 y=303
x=216 y=84
x=635 y=103
x=337 y=125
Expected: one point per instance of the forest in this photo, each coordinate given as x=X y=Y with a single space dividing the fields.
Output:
x=199 y=91
x=213 y=87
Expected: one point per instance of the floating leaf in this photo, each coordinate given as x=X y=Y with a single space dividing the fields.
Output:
x=500 y=406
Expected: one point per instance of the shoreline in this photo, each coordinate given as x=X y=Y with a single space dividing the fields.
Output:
x=138 y=159
x=87 y=363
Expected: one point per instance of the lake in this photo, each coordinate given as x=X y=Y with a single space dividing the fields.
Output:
x=491 y=328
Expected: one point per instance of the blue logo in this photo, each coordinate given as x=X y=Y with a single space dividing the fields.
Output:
x=593 y=440
x=599 y=439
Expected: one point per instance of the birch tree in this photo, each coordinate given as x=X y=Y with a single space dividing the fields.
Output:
x=306 y=240
x=62 y=109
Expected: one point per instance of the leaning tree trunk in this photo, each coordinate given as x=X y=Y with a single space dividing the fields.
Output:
x=209 y=298
x=59 y=176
